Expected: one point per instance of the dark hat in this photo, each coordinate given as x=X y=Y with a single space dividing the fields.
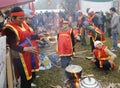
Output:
x=113 y=9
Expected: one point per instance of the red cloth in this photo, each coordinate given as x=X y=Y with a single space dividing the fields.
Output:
x=79 y=5
x=101 y=55
x=23 y=33
x=76 y=32
x=101 y=33
x=65 y=47
x=90 y=18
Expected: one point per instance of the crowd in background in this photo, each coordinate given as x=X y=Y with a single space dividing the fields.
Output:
x=52 y=20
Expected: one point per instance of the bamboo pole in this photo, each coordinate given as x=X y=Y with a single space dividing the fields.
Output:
x=9 y=70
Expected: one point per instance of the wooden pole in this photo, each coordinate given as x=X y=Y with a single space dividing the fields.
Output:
x=9 y=70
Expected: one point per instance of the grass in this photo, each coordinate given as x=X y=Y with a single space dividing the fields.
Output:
x=53 y=76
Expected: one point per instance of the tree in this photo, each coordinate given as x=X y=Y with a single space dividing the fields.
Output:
x=69 y=5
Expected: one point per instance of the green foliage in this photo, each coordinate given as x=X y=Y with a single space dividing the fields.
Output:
x=69 y=5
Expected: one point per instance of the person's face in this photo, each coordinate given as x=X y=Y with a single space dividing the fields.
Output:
x=111 y=12
x=99 y=46
x=65 y=26
x=28 y=19
x=18 y=20
x=89 y=32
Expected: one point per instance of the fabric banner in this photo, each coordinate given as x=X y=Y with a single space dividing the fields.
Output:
x=96 y=6
x=3 y=62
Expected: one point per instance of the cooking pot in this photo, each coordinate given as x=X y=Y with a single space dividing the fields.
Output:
x=89 y=82
x=73 y=72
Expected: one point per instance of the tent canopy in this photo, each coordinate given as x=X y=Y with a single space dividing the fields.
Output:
x=7 y=3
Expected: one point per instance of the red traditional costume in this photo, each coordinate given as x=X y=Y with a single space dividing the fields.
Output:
x=101 y=55
x=76 y=33
x=90 y=18
x=79 y=20
x=99 y=32
x=65 y=47
x=29 y=60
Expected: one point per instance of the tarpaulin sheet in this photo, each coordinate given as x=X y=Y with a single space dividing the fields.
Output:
x=7 y=3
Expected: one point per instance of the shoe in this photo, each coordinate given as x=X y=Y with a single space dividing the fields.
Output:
x=113 y=50
x=37 y=76
x=113 y=66
x=33 y=85
x=107 y=72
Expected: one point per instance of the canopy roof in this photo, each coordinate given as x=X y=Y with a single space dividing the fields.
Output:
x=7 y=3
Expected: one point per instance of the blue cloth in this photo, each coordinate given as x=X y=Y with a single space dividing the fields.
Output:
x=45 y=62
x=65 y=61
x=27 y=41
x=115 y=39
x=53 y=59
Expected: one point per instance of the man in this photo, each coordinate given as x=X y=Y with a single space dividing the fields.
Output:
x=65 y=44
x=24 y=50
x=81 y=19
x=108 y=23
x=103 y=57
x=95 y=33
x=2 y=19
x=114 y=27
x=92 y=18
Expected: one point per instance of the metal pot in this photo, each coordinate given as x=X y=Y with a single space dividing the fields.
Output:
x=89 y=82
x=73 y=72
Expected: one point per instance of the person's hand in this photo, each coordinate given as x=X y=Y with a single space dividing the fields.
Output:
x=31 y=49
x=93 y=60
x=111 y=37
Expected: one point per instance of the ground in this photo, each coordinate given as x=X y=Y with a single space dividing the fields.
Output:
x=53 y=77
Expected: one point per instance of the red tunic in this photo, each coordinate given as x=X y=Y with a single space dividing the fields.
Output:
x=65 y=47
x=76 y=33
x=29 y=60
x=100 y=32
x=90 y=18
x=101 y=55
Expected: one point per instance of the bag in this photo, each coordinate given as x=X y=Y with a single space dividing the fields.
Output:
x=45 y=62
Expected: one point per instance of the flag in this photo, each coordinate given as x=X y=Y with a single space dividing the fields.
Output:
x=79 y=5
x=33 y=8
x=29 y=5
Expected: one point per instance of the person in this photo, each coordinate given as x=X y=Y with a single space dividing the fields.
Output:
x=24 y=50
x=103 y=57
x=81 y=19
x=93 y=18
x=95 y=33
x=65 y=44
x=28 y=18
x=42 y=42
x=114 y=27
x=76 y=32
x=108 y=24
x=2 y=19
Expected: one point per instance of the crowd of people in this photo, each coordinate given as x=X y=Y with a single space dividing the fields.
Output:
x=24 y=30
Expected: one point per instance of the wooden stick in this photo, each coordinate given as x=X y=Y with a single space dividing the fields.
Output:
x=119 y=69
x=9 y=69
